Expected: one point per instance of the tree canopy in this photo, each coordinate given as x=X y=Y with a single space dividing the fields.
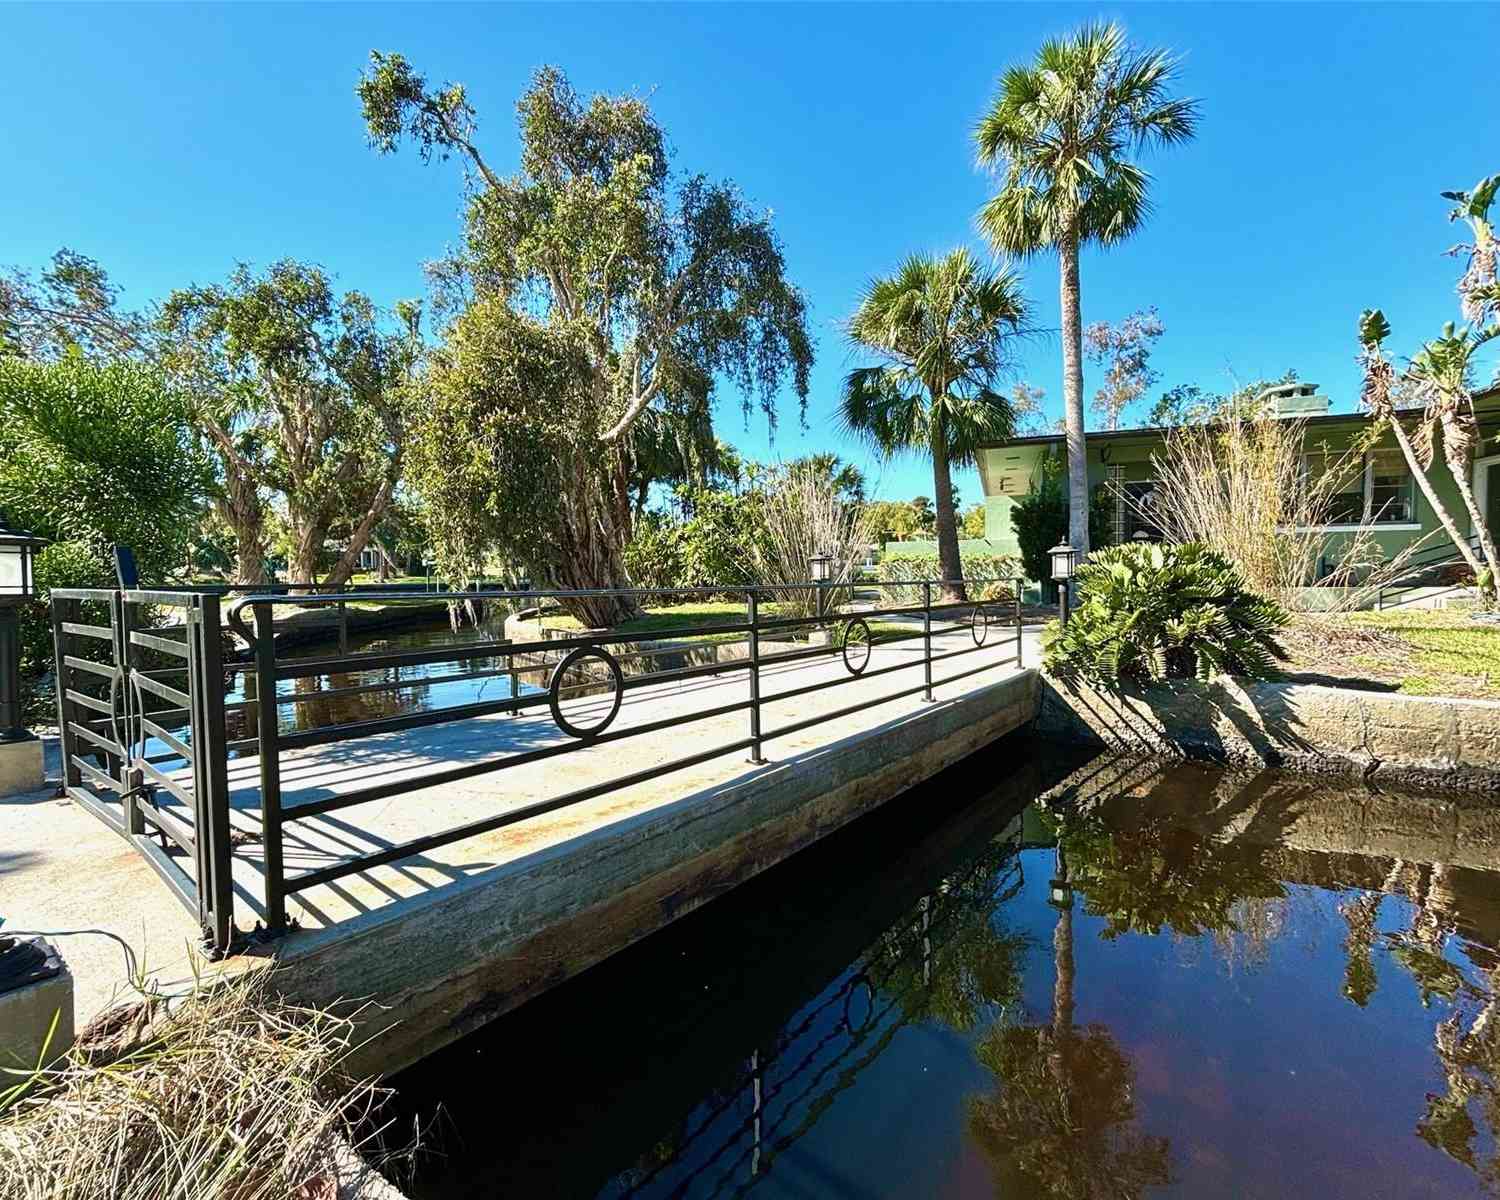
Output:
x=301 y=391
x=633 y=290
x=941 y=329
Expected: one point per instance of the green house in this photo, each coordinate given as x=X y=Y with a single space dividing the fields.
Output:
x=1121 y=460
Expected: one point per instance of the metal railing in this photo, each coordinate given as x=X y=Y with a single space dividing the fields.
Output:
x=146 y=708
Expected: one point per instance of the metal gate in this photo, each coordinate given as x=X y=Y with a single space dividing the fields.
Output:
x=141 y=716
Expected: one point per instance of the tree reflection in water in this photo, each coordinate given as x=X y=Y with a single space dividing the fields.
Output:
x=1060 y=1122
x=856 y=1030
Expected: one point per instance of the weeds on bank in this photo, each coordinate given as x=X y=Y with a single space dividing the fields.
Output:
x=231 y=1093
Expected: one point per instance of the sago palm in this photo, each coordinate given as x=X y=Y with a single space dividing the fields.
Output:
x=1063 y=130
x=941 y=329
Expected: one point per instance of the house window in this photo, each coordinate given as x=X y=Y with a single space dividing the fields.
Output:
x=1380 y=486
x=1392 y=489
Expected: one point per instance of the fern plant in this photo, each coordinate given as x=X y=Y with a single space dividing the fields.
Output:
x=1152 y=612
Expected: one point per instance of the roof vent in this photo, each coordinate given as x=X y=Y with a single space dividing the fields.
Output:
x=1293 y=400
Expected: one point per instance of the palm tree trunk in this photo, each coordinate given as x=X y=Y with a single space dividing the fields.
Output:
x=1413 y=464
x=949 y=560
x=1072 y=347
x=1456 y=443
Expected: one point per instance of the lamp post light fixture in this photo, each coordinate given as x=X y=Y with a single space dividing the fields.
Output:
x=821 y=566
x=1064 y=559
x=17 y=587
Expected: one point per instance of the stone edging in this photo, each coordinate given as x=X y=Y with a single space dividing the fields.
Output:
x=1380 y=736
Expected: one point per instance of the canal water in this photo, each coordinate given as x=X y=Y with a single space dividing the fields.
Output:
x=1105 y=978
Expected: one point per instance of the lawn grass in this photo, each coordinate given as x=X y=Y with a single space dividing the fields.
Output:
x=1434 y=652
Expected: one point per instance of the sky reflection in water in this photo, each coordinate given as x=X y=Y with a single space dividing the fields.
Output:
x=1149 y=981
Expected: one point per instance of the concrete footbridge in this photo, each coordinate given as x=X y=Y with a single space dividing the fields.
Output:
x=452 y=828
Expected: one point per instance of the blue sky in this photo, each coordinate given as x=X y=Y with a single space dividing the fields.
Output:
x=172 y=141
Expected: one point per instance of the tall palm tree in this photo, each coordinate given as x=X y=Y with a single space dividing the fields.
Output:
x=941 y=328
x=1063 y=129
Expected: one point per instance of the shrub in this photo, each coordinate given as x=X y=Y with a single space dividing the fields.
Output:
x=712 y=537
x=1040 y=521
x=991 y=576
x=1150 y=612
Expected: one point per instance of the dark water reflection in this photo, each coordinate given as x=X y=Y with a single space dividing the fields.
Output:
x=1100 y=979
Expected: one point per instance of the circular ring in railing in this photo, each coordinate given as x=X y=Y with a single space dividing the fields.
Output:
x=855 y=642
x=596 y=713
x=979 y=625
x=860 y=981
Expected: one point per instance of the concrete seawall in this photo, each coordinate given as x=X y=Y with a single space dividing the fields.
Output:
x=1425 y=741
x=444 y=963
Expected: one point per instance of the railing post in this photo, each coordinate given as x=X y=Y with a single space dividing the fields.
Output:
x=343 y=629
x=211 y=800
x=927 y=640
x=753 y=604
x=131 y=777
x=266 y=713
x=1019 y=656
x=67 y=711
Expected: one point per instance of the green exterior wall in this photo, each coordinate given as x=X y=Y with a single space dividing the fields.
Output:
x=1010 y=471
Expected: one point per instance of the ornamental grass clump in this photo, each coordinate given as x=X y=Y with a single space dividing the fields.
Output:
x=233 y=1093
x=1154 y=612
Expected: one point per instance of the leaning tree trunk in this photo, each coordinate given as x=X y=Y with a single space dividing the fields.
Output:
x=1419 y=473
x=1458 y=453
x=950 y=562
x=1072 y=346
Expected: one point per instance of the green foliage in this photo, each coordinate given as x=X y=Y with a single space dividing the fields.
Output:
x=644 y=286
x=972 y=524
x=93 y=455
x=991 y=576
x=1062 y=127
x=941 y=329
x=1040 y=521
x=1152 y=612
x=713 y=537
x=302 y=392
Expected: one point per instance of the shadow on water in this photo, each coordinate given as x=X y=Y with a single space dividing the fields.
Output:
x=1099 y=978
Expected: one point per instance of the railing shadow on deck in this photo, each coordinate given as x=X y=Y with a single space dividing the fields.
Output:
x=160 y=727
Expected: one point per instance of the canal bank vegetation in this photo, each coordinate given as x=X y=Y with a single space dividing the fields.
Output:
x=231 y=1093
x=1149 y=612
x=1432 y=652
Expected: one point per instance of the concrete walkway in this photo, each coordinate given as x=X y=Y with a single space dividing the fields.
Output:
x=60 y=869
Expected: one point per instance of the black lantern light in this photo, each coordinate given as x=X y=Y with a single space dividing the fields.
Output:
x=1064 y=559
x=17 y=586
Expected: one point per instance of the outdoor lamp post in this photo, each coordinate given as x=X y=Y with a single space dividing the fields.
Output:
x=20 y=750
x=822 y=570
x=1064 y=558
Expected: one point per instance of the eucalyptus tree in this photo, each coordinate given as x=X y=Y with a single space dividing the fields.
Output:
x=599 y=287
x=1063 y=130
x=304 y=394
x=941 y=328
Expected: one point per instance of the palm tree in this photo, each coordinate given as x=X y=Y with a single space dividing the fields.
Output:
x=1063 y=128
x=940 y=327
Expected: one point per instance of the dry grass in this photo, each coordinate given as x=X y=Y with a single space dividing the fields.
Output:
x=1243 y=487
x=231 y=1094
x=1421 y=653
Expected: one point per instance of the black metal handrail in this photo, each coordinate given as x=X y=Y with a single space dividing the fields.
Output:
x=177 y=733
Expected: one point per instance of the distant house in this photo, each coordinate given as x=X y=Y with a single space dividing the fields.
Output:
x=1120 y=459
